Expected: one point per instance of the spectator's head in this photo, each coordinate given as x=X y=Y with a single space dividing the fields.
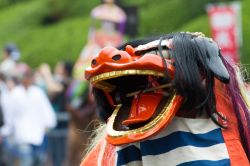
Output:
x=68 y=67
x=25 y=74
x=63 y=69
x=11 y=51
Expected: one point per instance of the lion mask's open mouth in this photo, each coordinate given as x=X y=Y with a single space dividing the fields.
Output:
x=144 y=101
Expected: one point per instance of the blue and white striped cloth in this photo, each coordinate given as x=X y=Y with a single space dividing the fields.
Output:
x=185 y=142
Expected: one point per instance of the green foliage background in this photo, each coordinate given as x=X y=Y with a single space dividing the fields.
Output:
x=24 y=23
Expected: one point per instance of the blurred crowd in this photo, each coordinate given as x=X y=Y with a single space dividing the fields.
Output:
x=29 y=102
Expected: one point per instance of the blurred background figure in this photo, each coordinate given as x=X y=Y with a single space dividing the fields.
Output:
x=81 y=107
x=2 y=153
x=62 y=75
x=56 y=83
x=30 y=116
x=10 y=56
x=8 y=82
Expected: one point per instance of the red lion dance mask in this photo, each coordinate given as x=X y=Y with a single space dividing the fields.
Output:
x=141 y=86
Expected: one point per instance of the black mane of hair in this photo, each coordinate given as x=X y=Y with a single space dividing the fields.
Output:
x=193 y=78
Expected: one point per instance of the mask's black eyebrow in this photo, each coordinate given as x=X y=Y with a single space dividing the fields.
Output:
x=135 y=43
x=152 y=46
x=141 y=52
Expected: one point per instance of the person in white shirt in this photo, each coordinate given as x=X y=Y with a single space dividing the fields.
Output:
x=30 y=116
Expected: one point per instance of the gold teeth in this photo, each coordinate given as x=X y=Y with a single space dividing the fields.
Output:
x=114 y=74
x=98 y=81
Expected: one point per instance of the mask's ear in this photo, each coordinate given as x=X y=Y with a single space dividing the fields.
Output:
x=213 y=58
